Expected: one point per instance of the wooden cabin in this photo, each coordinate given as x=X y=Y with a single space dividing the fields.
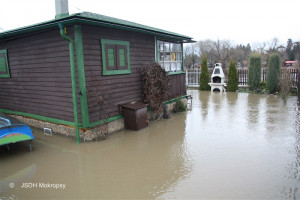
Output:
x=52 y=71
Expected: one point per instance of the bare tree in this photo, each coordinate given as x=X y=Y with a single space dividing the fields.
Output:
x=273 y=44
x=285 y=82
x=259 y=47
x=221 y=50
x=191 y=57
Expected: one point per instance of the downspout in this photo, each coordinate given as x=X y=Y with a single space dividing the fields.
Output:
x=73 y=78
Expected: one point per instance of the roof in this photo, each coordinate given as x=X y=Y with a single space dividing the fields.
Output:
x=98 y=20
x=290 y=62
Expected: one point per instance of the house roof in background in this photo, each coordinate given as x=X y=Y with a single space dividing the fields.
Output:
x=290 y=62
x=98 y=20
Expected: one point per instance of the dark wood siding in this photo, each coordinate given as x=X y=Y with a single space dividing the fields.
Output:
x=177 y=85
x=117 y=88
x=40 y=80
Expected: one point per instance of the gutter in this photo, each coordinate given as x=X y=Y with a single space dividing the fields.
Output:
x=73 y=78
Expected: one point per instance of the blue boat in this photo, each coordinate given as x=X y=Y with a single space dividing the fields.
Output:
x=12 y=131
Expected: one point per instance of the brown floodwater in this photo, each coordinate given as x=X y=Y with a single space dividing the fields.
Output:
x=229 y=146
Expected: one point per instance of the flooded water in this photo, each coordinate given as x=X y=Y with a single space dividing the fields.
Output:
x=230 y=146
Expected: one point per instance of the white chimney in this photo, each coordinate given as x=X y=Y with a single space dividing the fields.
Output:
x=61 y=8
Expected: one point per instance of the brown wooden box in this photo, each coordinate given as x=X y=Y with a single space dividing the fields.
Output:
x=135 y=115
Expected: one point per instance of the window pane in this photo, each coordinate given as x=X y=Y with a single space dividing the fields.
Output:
x=161 y=46
x=173 y=66
x=167 y=66
x=173 y=47
x=122 y=57
x=2 y=65
x=111 y=57
x=179 y=47
x=167 y=56
x=166 y=46
x=178 y=66
x=178 y=57
x=161 y=64
x=161 y=56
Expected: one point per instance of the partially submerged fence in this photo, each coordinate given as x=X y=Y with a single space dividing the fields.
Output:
x=192 y=77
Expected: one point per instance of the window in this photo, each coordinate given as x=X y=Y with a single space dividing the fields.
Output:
x=115 y=57
x=4 y=70
x=169 y=55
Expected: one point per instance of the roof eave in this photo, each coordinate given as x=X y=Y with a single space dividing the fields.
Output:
x=73 y=19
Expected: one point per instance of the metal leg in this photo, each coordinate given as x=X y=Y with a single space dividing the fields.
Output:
x=7 y=147
x=30 y=145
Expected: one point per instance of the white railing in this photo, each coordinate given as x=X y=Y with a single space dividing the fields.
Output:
x=192 y=78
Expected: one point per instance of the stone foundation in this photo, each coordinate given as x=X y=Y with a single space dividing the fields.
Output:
x=96 y=133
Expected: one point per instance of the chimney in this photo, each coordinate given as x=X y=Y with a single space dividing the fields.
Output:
x=61 y=8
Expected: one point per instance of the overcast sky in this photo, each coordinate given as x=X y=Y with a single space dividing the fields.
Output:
x=241 y=21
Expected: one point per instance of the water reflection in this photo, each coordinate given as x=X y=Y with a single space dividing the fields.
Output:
x=253 y=109
x=204 y=98
x=217 y=101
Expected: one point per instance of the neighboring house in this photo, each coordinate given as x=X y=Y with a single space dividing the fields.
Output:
x=51 y=71
x=281 y=48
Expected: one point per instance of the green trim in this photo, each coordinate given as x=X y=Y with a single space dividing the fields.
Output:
x=182 y=59
x=81 y=76
x=7 y=75
x=156 y=50
x=170 y=101
x=115 y=42
x=102 y=121
x=38 y=117
x=175 y=99
x=14 y=139
x=73 y=79
x=174 y=73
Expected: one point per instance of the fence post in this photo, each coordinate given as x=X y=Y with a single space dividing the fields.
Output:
x=186 y=78
x=197 y=77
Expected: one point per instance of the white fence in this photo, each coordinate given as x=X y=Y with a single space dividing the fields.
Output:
x=192 y=78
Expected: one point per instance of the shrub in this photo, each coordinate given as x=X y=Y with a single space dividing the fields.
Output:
x=233 y=79
x=254 y=71
x=204 y=75
x=273 y=73
x=156 y=86
x=179 y=106
x=263 y=85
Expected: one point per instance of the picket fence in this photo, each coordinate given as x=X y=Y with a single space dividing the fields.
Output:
x=192 y=76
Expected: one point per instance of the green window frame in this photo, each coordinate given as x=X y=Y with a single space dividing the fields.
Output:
x=170 y=55
x=4 y=67
x=115 y=57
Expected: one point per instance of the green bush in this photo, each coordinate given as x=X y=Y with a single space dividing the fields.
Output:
x=254 y=72
x=263 y=85
x=273 y=73
x=233 y=78
x=179 y=106
x=204 y=75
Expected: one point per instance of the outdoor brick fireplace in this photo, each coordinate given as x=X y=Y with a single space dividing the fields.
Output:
x=218 y=79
